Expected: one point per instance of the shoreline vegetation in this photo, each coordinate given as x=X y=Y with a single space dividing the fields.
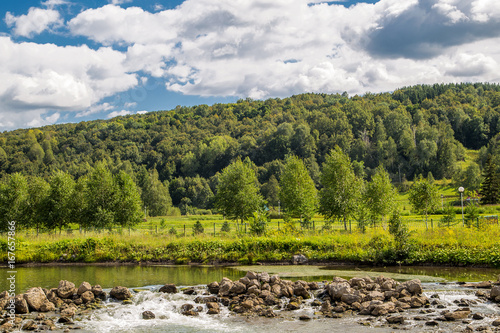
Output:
x=458 y=246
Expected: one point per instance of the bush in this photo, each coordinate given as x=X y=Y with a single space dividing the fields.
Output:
x=225 y=227
x=172 y=231
x=258 y=223
x=198 y=228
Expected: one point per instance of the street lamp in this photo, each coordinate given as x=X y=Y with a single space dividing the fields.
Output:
x=461 y=190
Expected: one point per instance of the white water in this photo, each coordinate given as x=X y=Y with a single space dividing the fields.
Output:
x=118 y=318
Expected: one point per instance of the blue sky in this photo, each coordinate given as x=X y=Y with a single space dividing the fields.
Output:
x=68 y=60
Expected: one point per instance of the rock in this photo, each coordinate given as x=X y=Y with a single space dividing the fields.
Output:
x=496 y=322
x=432 y=323
x=35 y=297
x=304 y=317
x=359 y=283
x=213 y=287
x=484 y=285
x=414 y=287
x=20 y=304
x=418 y=301
x=97 y=291
x=337 y=289
x=375 y=296
x=148 y=315
x=87 y=296
x=47 y=306
x=168 y=289
x=190 y=313
x=456 y=315
x=247 y=304
x=300 y=290
x=186 y=307
x=246 y=281
x=313 y=285
x=120 y=293
x=68 y=312
x=30 y=325
x=477 y=316
x=351 y=298
x=264 y=277
x=252 y=275
x=396 y=320
x=495 y=292
x=224 y=286
x=383 y=309
x=299 y=259
x=238 y=288
x=293 y=306
x=253 y=290
x=213 y=308
x=274 y=279
x=65 y=320
x=84 y=286
x=65 y=289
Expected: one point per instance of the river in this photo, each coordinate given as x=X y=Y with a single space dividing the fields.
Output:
x=117 y=317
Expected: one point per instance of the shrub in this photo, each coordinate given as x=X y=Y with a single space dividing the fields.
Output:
x=172 y=231
x=225 y=227
x=198 y=228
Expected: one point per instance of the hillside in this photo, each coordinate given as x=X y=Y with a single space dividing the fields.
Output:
x=414 y=130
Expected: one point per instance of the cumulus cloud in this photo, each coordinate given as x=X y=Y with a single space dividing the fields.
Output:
x=118 y=113
x=53 y=80
x=255 y=49
x=35 y=22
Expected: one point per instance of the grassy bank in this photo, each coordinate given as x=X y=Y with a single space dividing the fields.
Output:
x=443 y=246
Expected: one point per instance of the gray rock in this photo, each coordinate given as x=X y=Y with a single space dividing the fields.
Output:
x=35 y=297
x=337 y=289
x=120 y=293
x=84 y=286
x=238 y=288
x=213 y=287
x=169 y=288
x=299 y=259
x=224 y=286
x=87 y=296
x=20 y=304
x=65 y=289
x=396 y=320
x=414 y=287
x=148 y=315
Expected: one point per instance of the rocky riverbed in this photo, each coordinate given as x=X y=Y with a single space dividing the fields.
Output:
x=380 y=301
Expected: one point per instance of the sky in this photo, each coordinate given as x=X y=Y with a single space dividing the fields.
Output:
x=74 y=60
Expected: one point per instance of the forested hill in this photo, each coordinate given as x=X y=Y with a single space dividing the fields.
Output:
x=414 y=130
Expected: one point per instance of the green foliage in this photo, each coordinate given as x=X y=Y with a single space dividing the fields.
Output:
x=298 y=194
x=401 y=236
x=238 y=194
x=342 y=189
x=449 y=216
x=13 y=197
x=424 y=196
x=471 y=214
x=172 y=231
x=258 y=223
x=198 y=228
x=491 y=183
x=225 y=227
x=380 y=195
x=154 y=194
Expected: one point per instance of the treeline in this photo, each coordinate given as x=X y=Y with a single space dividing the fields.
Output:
x=415 y=130
x=100 y=199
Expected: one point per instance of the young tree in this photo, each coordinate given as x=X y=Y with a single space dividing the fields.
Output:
x=238 y=194
x=271 y=191
x=38 y=190
x=489 y=190
x=424 y=196
x=58 y=204
x=380 y=195
x=298 y=195
x=13 y=196
x=341 y=190
x=128 y=210
x=155 y=194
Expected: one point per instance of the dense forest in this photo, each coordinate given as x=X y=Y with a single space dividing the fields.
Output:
x=414 y=130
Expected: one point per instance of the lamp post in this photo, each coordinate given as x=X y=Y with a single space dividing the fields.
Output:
x=461 y=190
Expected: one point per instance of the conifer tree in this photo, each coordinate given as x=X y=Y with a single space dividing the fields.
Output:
x=490 y=185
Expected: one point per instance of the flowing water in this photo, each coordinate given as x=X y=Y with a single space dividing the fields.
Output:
x=118 y=318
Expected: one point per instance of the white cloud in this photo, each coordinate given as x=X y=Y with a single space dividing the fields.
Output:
x=94 y=109
x=53 y=80
x=35 y=22
x=485 y=10
x=118 y=113
x=119 y=2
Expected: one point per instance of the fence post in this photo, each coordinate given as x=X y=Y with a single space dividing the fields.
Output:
x=156 y=229
x=477 y=223
x=245 y=227
x=314 y=226
x=426 y=227
x=432 y=225
x=278 y=225
x=350 y=227
x=129 y=231
x=214 y=229
x=184 y=230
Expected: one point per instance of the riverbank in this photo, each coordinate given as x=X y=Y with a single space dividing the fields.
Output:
x=358 y=302
x=457 y=247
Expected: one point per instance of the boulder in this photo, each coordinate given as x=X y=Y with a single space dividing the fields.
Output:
x=30 y=325
x=414 y=287
x=148 y=315
x=457 y=315
x=20 y=304
x=252 y=275
x=337 y=289
x=85 y=286
x=120 y=293
x=87 y=296
x=213 y=287
x=169 y=288
x=274 y=279
x=396 y=320
x=383 y=309
x=65 y=289
x=300 y=290
x=4 y=294
x=374 y=295
x=97 y=291
x=47 y=306
x=238 y=288
x=224 y=286
x=351 y=298
x=357 y=283
x=264 y=277
x=35 y=297
x=299 y=259
x=495 y=292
